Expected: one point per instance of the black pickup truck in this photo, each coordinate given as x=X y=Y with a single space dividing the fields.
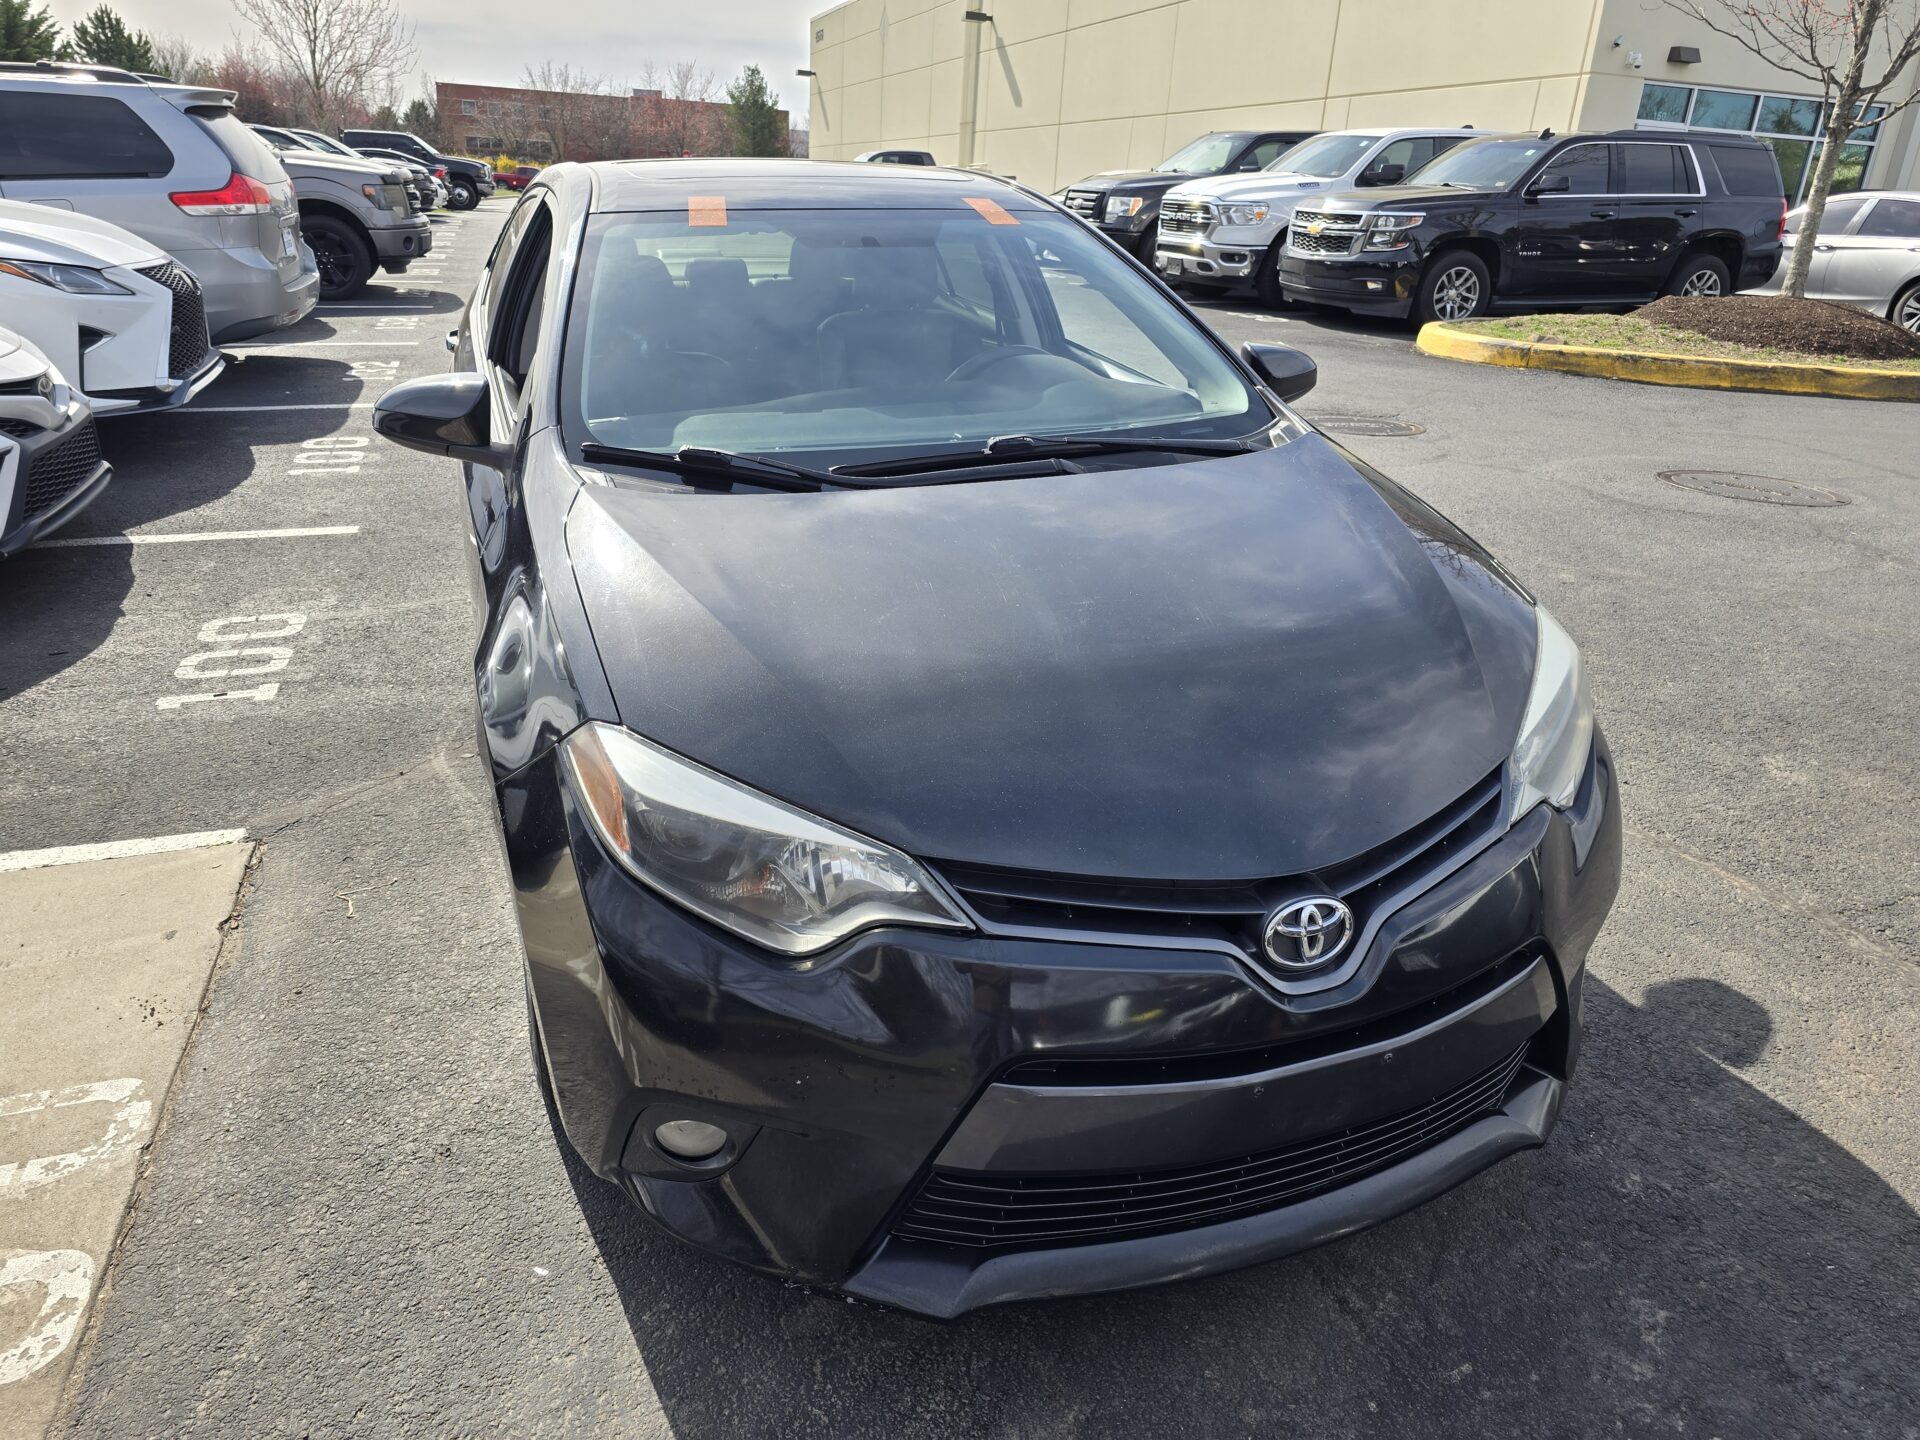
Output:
x=1125 y=204
x=1531 y=222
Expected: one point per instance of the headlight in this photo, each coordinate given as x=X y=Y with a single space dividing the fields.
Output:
x=1556 y=735
x=377 y=194
x=74 y=279
x=1389 y=232
x=1245 y=214
x=1122 y=207
x=751 y=864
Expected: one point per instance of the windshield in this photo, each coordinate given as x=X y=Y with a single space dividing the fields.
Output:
x=1482 y=164
x=858 y=335
x=1203 y=156
x=1326 y=157
x=325 y=142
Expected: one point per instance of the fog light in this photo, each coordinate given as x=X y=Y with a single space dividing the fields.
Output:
x=1376 y=284
x=690 y=1139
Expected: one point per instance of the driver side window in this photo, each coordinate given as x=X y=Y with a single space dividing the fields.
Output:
x=1585 y=167
x=521 y=300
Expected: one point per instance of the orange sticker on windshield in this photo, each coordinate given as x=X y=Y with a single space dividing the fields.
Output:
x=993 y=213
x=707 y=210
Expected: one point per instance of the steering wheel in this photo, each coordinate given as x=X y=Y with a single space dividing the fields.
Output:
x=980 y=364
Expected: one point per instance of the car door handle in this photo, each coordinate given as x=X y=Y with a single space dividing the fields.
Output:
x=453 y=340
x=1686 y=214
x=1604 y=214
x=1823 y=247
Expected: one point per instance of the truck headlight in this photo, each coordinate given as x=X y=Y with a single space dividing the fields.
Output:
x=1389 y=232
x=1122 y=207
x=751 y=864
x=1246 y=214
x=1556 y=733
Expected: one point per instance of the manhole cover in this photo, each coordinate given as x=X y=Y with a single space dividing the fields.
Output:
x=1369 y=425
x=1765 y=489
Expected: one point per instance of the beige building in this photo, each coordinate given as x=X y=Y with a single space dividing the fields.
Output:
x=1050 y=91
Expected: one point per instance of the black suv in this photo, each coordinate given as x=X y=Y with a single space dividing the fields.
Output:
x=468 y=181
x=1528 y=222
x=1124 y=205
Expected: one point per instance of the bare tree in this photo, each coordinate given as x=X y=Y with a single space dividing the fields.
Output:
x=177 y=58
x=1856 y=51
x=677 y=113
x=339 y=52
x=582 y=116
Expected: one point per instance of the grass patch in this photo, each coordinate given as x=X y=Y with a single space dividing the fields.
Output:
x=1629 y=332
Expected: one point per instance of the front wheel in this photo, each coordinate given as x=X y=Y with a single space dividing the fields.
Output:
x=1700 y=276
x=1266 y=276
x=340 y=255
x=1456 y=286
x=464 y=196
x=1906 y=309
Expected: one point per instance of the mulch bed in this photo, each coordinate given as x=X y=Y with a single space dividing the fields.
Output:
x=1778 y=322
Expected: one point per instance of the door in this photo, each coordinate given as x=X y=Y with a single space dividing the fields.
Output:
x=1565 y=244
x=504 y=327
x=1660 y=197
x=1841 y=212
x=1263 y=152
x=1866 y=263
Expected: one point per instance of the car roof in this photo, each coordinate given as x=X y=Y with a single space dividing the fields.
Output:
x=756 y=184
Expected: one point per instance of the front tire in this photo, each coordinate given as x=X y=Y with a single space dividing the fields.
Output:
x=464 y=196
x=1906 y=309
x=1456 y=286
x=1701 y=277
x=341 y=255
x=1266 y=277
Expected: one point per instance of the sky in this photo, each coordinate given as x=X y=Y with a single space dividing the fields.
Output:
x=491 y=42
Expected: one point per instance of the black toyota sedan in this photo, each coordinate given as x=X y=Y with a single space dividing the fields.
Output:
x=999 y=806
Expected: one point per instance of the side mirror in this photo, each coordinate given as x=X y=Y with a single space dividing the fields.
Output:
x=1383 y=175
x=1289 y=373
x=1551 y=185
x=441 y=415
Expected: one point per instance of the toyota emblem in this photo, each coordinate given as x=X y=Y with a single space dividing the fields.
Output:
x=1306 y=934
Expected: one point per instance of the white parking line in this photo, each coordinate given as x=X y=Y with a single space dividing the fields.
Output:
x=116 y=849
x=198 y=535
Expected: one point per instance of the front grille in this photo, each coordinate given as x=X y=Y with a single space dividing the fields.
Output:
x=1327 y=242
x=1230 y=912
x=977 y=1210
x=1085 y=203
x=1185 y=217
x=59 y=470
x=19 y=428
x=187 y=342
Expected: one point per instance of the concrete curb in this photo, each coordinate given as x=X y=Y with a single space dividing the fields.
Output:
x=1649 y=368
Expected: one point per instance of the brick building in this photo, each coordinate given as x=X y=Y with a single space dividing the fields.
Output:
x=546 y=125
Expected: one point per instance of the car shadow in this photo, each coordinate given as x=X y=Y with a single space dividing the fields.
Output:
x=61 y=602
x=1686 y=1256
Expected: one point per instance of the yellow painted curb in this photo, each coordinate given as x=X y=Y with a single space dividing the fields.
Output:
x=1649 y=368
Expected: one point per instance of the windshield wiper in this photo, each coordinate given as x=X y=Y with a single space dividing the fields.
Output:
x=724 y=465
x=1018 y=449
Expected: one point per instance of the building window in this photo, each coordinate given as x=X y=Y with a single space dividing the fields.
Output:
x=493 y=109
x=468 y=107
x=1790 y=124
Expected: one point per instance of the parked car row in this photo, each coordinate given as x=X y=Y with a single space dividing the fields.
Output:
x=1449 y=223
x=142 y=226
x=1866 y=254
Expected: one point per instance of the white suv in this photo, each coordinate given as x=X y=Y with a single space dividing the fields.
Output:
x=1228 y=228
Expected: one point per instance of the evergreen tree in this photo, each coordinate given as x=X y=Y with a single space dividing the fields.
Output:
x=104 y=39
x=27 y=34
x=758 y=128
x=422 y=119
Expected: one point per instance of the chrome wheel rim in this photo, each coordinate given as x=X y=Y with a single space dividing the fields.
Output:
x=1909 y=318
x=1701 y=282
x=1456 y=294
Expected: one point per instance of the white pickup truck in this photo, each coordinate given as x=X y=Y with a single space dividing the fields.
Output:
x=1225 y=229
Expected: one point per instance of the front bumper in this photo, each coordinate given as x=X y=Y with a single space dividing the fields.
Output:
x=859 y=1089
x=1185 y=258
x=1377 y=284
x=151 y=398
x=47 y=477
x=404 y=241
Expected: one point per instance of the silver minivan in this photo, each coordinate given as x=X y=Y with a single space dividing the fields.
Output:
x=175 y=166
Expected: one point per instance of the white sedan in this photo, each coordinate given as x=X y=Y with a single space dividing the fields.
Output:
x=125 y=324
x=50 y=465
x=1866 y=255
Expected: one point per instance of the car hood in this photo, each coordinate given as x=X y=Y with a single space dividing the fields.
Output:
x=311 y=165
x=19 y=361
x=1264 y=184
x=1244 y=667
x=66 y=237
x=1123 y=181
x=1401 y=197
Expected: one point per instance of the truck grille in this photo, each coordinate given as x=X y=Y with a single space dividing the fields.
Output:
x=59 y=470
x=1339 y=233
x=187 y=342
x=1185 y=217
x=1085 y=203
x=980 y=1210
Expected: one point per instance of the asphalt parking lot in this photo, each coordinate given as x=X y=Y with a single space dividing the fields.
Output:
x=356 y=1219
